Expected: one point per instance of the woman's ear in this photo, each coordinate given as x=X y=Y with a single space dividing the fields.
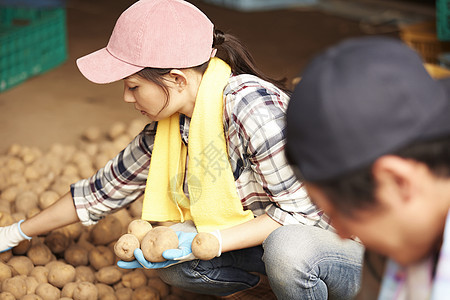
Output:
x=394 y=179
x=179 y=78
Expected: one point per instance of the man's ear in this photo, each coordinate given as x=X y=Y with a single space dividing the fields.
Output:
x=179 y=78
x=394 y=178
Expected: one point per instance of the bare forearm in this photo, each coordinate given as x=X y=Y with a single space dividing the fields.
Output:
x=248 y=234
x=59 y=214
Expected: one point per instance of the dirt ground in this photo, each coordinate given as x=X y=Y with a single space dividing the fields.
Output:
x=57 y=106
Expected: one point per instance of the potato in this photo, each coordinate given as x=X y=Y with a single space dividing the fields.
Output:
x=31 y=283
x=135 y=208
x=104 y=289
x=92 y=134
x=90 y=148
x=15 y=164
x=22 y=248
x=116 y=130
x=84 y=273
x=73 y=231
x=101 y=256
x=15 y=285
x=100 y=160
x=40 y=273
x=57 y=242
x=205 y=246
x=125 y=247
x=48 y=291
x=136 y=126
x=118 y=285
x=32 y=212
x=61 y=275
x=145 y=293
x=70 y=169
x=108 y=296
x=7 y=296
x=5 y=219
x=86 y=170
x=26 y=201
x=156 y=241
x=76 y=255
x=85 y=291
x=134 y=279
x=55 y=263
x=5 y=271
x=67 y=290
x=5 y=256
x=47 y=198
x=5 y=207
x=124 y=293
x=20 y=265
x=10 y=193
x=150 y=273
x=39 y=254
x=139 y=228
x=124 y=218
x=84 y=242
x=31 y=297
x=106 y=230
x=17 y=216
x=159 y=285
x=31 y=173
x=108 y=275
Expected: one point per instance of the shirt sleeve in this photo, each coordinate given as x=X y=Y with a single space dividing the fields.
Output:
x=265 y=129
x=121 y=181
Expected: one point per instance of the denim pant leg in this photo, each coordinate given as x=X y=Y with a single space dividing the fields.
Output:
x=307 y=262
x=220 y=276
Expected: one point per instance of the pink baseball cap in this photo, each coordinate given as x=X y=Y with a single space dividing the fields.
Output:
x=151 y=33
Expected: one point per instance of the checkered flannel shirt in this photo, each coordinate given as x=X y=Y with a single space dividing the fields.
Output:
x=255 y=128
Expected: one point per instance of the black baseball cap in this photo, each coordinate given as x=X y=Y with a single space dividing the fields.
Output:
x=361 y=99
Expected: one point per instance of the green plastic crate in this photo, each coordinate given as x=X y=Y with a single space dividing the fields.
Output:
x=443 y=19
x=32 y=41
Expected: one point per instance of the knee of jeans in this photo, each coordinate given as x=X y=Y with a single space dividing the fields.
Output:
x=288 y=250
x=172 y=275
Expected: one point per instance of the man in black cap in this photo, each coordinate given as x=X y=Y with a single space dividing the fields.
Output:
x=368 y=132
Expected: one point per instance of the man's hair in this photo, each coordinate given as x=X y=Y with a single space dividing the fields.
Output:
x=356 y=190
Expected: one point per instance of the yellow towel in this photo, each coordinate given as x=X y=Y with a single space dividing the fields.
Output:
x=214 y=203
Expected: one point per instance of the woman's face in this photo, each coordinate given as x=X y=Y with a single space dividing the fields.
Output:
x=151 y=100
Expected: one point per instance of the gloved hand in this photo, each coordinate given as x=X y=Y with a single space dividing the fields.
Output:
x=174 y=256
x=11 y=236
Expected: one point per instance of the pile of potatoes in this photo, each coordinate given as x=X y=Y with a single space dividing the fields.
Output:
x=73 y=262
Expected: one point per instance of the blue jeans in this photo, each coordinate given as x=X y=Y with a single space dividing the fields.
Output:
x=301 y=262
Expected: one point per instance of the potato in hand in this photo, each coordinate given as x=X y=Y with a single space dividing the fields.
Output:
x=205 y=246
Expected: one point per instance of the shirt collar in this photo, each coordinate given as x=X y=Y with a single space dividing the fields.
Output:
x=184 y=128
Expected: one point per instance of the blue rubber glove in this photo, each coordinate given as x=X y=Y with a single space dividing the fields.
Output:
x=11 y=236
x=174 y=256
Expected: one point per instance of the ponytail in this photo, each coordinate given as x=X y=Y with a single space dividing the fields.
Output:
x=239 y=58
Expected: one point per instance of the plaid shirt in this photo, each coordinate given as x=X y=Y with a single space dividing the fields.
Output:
x=254 y=124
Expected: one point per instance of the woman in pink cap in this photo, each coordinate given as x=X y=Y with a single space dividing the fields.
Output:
x=211 y=160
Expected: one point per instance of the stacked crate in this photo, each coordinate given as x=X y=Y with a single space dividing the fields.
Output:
x=32 y=39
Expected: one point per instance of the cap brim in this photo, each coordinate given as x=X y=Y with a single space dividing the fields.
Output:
x=102 y=67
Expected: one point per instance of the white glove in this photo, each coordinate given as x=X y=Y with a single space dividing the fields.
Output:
x=11 y=236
